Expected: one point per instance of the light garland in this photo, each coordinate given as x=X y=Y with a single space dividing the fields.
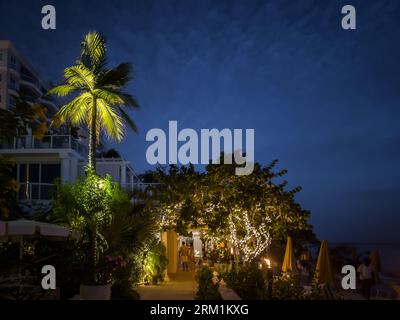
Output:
x=258 y=234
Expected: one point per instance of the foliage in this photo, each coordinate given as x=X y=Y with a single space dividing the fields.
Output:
x=207 y=287
x=155 y=264
x=16 y=121
x=287 y=287
x=248 y=281
x=249 y=211
x=87 y=206
x=108 y=267
x=98 y=97
x=97 y=205
x=8 y=189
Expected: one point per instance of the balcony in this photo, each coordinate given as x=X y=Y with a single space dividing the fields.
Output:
x=47 y=142
x=31 y=82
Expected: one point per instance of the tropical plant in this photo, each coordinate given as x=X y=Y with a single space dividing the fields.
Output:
x=86 y=205
x=155 y=264
x=99 y=100
x=207 y=287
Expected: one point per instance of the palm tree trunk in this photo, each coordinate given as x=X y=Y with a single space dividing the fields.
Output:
x=93 y=139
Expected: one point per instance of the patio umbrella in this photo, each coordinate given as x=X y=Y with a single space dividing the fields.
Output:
x=324 y=266
x=288 y=261
x=376 y=263
x=17 y=230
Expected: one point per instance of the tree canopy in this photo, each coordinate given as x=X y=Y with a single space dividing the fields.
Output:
x=250 y=211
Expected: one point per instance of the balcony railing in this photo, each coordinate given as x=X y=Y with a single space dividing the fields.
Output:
x=47 y=142
x=30 y=79
x=43 y=191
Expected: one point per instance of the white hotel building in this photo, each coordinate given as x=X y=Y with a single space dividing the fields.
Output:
x=59 y=154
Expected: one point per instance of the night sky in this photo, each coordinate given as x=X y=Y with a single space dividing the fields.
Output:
x=324 y=101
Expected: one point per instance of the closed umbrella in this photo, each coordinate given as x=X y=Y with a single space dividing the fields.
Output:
x=288 y=261
x=324 y=265
x=376 y=263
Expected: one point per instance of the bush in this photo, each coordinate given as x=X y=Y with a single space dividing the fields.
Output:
x=248 y=281
x=207 y=285
x=155 y=264
x=287 y=287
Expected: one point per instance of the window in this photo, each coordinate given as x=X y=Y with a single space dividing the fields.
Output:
x=36 y=179
x=50 y=172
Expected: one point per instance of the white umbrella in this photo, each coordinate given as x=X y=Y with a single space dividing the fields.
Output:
x=18 y=229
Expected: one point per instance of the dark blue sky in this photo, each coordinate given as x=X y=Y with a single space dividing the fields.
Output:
x=324 y=101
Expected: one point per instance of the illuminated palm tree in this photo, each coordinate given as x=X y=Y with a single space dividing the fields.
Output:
x=99 y=100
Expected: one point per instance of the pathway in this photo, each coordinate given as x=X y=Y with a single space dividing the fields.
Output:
x=181 y=286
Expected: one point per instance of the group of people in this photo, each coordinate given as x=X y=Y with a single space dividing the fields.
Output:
x=186 y=254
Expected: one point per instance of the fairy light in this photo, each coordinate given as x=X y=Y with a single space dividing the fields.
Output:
x=254 y=241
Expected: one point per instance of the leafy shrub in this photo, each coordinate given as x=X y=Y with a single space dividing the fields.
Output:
x=207 y=286
x=155 y=264
x=287 y=287
x=248 y=281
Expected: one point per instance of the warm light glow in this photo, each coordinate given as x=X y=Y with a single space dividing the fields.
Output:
x=268 y=262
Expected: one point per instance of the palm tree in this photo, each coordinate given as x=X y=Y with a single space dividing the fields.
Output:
x=99 y=99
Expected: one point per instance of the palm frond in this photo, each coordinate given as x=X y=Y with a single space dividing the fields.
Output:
x=62 y=90
x=129 y=100
x=109 y=96
x=110 y=120
x=76 y=111
x=93 y=52
x=79 y=76
x=127 y=119
x=117 y=77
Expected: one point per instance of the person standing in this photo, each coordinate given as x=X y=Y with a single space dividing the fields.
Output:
x=184 y=256
x=366 y=277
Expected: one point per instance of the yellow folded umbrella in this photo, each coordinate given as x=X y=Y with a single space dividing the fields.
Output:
x=324 y=265
x=288 y=261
